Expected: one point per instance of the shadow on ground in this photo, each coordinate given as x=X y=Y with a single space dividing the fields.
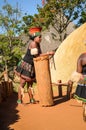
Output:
x=58 y=100
x=8 y=113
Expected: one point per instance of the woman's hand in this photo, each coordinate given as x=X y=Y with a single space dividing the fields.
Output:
x=50 y=53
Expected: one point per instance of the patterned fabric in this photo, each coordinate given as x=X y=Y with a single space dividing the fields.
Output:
x=80 y=92
x=25 y=69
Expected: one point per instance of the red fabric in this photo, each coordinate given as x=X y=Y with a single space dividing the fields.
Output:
x=35 y=29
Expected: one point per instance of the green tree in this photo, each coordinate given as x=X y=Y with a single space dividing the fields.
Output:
x=28 y=21
x=82 y=18
x=59 y=13
x=10 y=43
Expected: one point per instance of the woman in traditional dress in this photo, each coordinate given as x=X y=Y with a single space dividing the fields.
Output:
x=25 y=68
x=80 y=92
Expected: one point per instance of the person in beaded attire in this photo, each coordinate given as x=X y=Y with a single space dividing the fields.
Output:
x=80 y=92
x=25 y=68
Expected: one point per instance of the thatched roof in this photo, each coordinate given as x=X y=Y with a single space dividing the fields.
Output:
x=67 y=54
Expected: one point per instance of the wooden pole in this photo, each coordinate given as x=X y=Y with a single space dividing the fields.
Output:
x=0 y=93
x=43 y=80
x=69 y=89
x=60 y=88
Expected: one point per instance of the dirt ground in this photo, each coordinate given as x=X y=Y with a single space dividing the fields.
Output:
x=64 y=115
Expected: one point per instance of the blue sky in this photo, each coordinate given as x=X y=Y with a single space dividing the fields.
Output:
x=26 y=6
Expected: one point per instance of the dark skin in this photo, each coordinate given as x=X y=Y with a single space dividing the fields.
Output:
x=80 y=62
x=34 y=44
x=23 y=81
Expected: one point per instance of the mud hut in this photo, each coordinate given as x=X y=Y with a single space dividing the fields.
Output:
x=65 y=58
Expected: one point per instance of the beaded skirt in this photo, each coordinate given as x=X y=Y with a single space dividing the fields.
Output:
x=25 y=70
x=80 y=92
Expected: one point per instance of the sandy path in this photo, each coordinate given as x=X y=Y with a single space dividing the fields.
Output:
x=64 y=115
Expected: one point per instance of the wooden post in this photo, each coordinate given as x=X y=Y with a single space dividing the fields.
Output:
x=4 y=90
x=6 y=74
x=0 y=93
x=59 y=88
x=43 y=80
x=69 y=89
x=10 y=87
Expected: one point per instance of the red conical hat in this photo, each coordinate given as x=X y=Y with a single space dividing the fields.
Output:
x=34 y=30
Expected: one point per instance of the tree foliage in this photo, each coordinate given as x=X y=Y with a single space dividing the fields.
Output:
x=10 y=44
x=59 y=13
